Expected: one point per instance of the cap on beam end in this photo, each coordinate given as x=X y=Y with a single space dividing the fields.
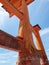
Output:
x=37 y=27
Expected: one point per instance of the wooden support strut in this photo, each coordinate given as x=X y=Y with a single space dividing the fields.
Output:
x=44 y=59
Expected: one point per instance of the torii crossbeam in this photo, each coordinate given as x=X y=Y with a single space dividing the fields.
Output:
x=23 y=43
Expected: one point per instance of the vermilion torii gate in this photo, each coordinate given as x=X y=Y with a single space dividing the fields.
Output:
x=23 y=43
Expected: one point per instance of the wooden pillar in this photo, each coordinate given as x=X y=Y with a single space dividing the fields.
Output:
x=44 y=60
x=24 y=28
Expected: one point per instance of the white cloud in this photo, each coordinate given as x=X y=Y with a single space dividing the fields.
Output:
x=43 y=32
x=0 y=4
x=3 y=16
x=15 y=55
x=3 y=61
x=8 y=56
x=48 y=50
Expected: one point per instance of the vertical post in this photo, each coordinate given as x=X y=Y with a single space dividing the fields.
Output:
x=24 y=28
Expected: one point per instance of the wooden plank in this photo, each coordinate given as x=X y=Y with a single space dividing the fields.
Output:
x=9 y=42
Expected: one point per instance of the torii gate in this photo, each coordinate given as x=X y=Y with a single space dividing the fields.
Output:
x=23 y=43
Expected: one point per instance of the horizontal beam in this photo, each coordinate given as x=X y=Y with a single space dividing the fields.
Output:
x=18 y=3
x=9 y=42
x=11 y=9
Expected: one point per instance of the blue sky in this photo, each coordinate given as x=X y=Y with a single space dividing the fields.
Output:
x=39 y=14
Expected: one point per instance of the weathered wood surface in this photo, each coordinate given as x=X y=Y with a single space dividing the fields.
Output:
x=17 y=44
x=11 y=9
x=10 y=42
